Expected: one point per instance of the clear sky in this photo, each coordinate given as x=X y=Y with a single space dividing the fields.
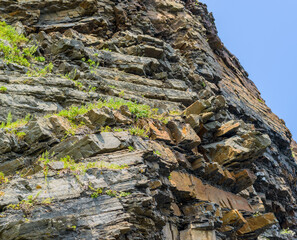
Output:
x=262 y=34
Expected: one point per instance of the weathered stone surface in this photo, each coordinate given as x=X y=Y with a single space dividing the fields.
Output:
x=233 y=217
x=259 y=223
x=5 y=142
x=196 y=108
x=101 y=117
x=184 y=135
x=228 y=128
x=196 y=189
x=91 y=145
x=237 y=148
x=165 y=54
x=39 y=130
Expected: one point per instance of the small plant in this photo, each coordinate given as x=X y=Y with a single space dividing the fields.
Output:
x=20 y=135
x=175 y=112
x=40 y=59
x=9 y=119
x=11 y=126
x=138 y=132
x=3 y=89
x=73 y=227
x=157 y=153
x=256 y=214
x=92 y=89
x=105 y=129
x=131 y=149
x=106 y=49
x=97 y=193
x=45 y=160
x=170 y=177
x=40 y=72
x=111 y=193
x=287 y=231
x=3 y=179
x=27 y=205
x=118 y=130
x=122 y=93
x=260 y=100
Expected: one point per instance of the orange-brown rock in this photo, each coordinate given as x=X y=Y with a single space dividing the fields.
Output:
x=196 y=108
x=195 y=121
x=258 y=223
x=244 y=179
x=238 y=148
x=228 y=128
x=159 y=131
x=60 y=124
x=184 y=135
x=195 y=188
x=234 y=218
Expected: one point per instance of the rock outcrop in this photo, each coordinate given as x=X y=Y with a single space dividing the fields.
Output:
x=131 y=120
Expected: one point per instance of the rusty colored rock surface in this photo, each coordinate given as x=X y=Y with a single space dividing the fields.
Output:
x=258 y=223
x=196 y=189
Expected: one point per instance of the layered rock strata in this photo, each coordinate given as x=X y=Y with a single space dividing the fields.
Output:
x=212 y=161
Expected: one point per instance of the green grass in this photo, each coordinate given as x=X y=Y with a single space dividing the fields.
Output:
x=12 y=46
x=131 y=149
x=138 y=132
x=11 y=126
x=3 y=179
x=138 y=110
x=112 y=193
x=3 y=89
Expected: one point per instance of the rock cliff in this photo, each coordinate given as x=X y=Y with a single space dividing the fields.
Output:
x=131 y=120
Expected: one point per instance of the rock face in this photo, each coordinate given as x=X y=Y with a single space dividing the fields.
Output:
x=167 y=137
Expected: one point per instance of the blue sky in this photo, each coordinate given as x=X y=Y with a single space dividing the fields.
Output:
x=262 y=34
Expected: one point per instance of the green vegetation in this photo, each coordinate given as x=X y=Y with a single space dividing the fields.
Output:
x=21 y=135
x=175 y=112
x=27 y=205
x=11 y=44
x=3 y=89
x=138 y=110
x=3 y=179
x=287 y=231
x=106 y=49
x=112 y=193
x=92 y=64
x=122 y=93
x=138 y=132
x=256 y=214
x=261 y=101
x=131 y=149
x=45 y=159
x=76 y=168
x=40 y=72
x=11 y=127
x=157 y=153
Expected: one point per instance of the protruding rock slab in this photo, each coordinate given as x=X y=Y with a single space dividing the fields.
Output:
x=237 y=148
x=194 y=188
x=184 y=135
x=228 y=128
x=259 y=223
x=196 y=108
x=92 y=144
